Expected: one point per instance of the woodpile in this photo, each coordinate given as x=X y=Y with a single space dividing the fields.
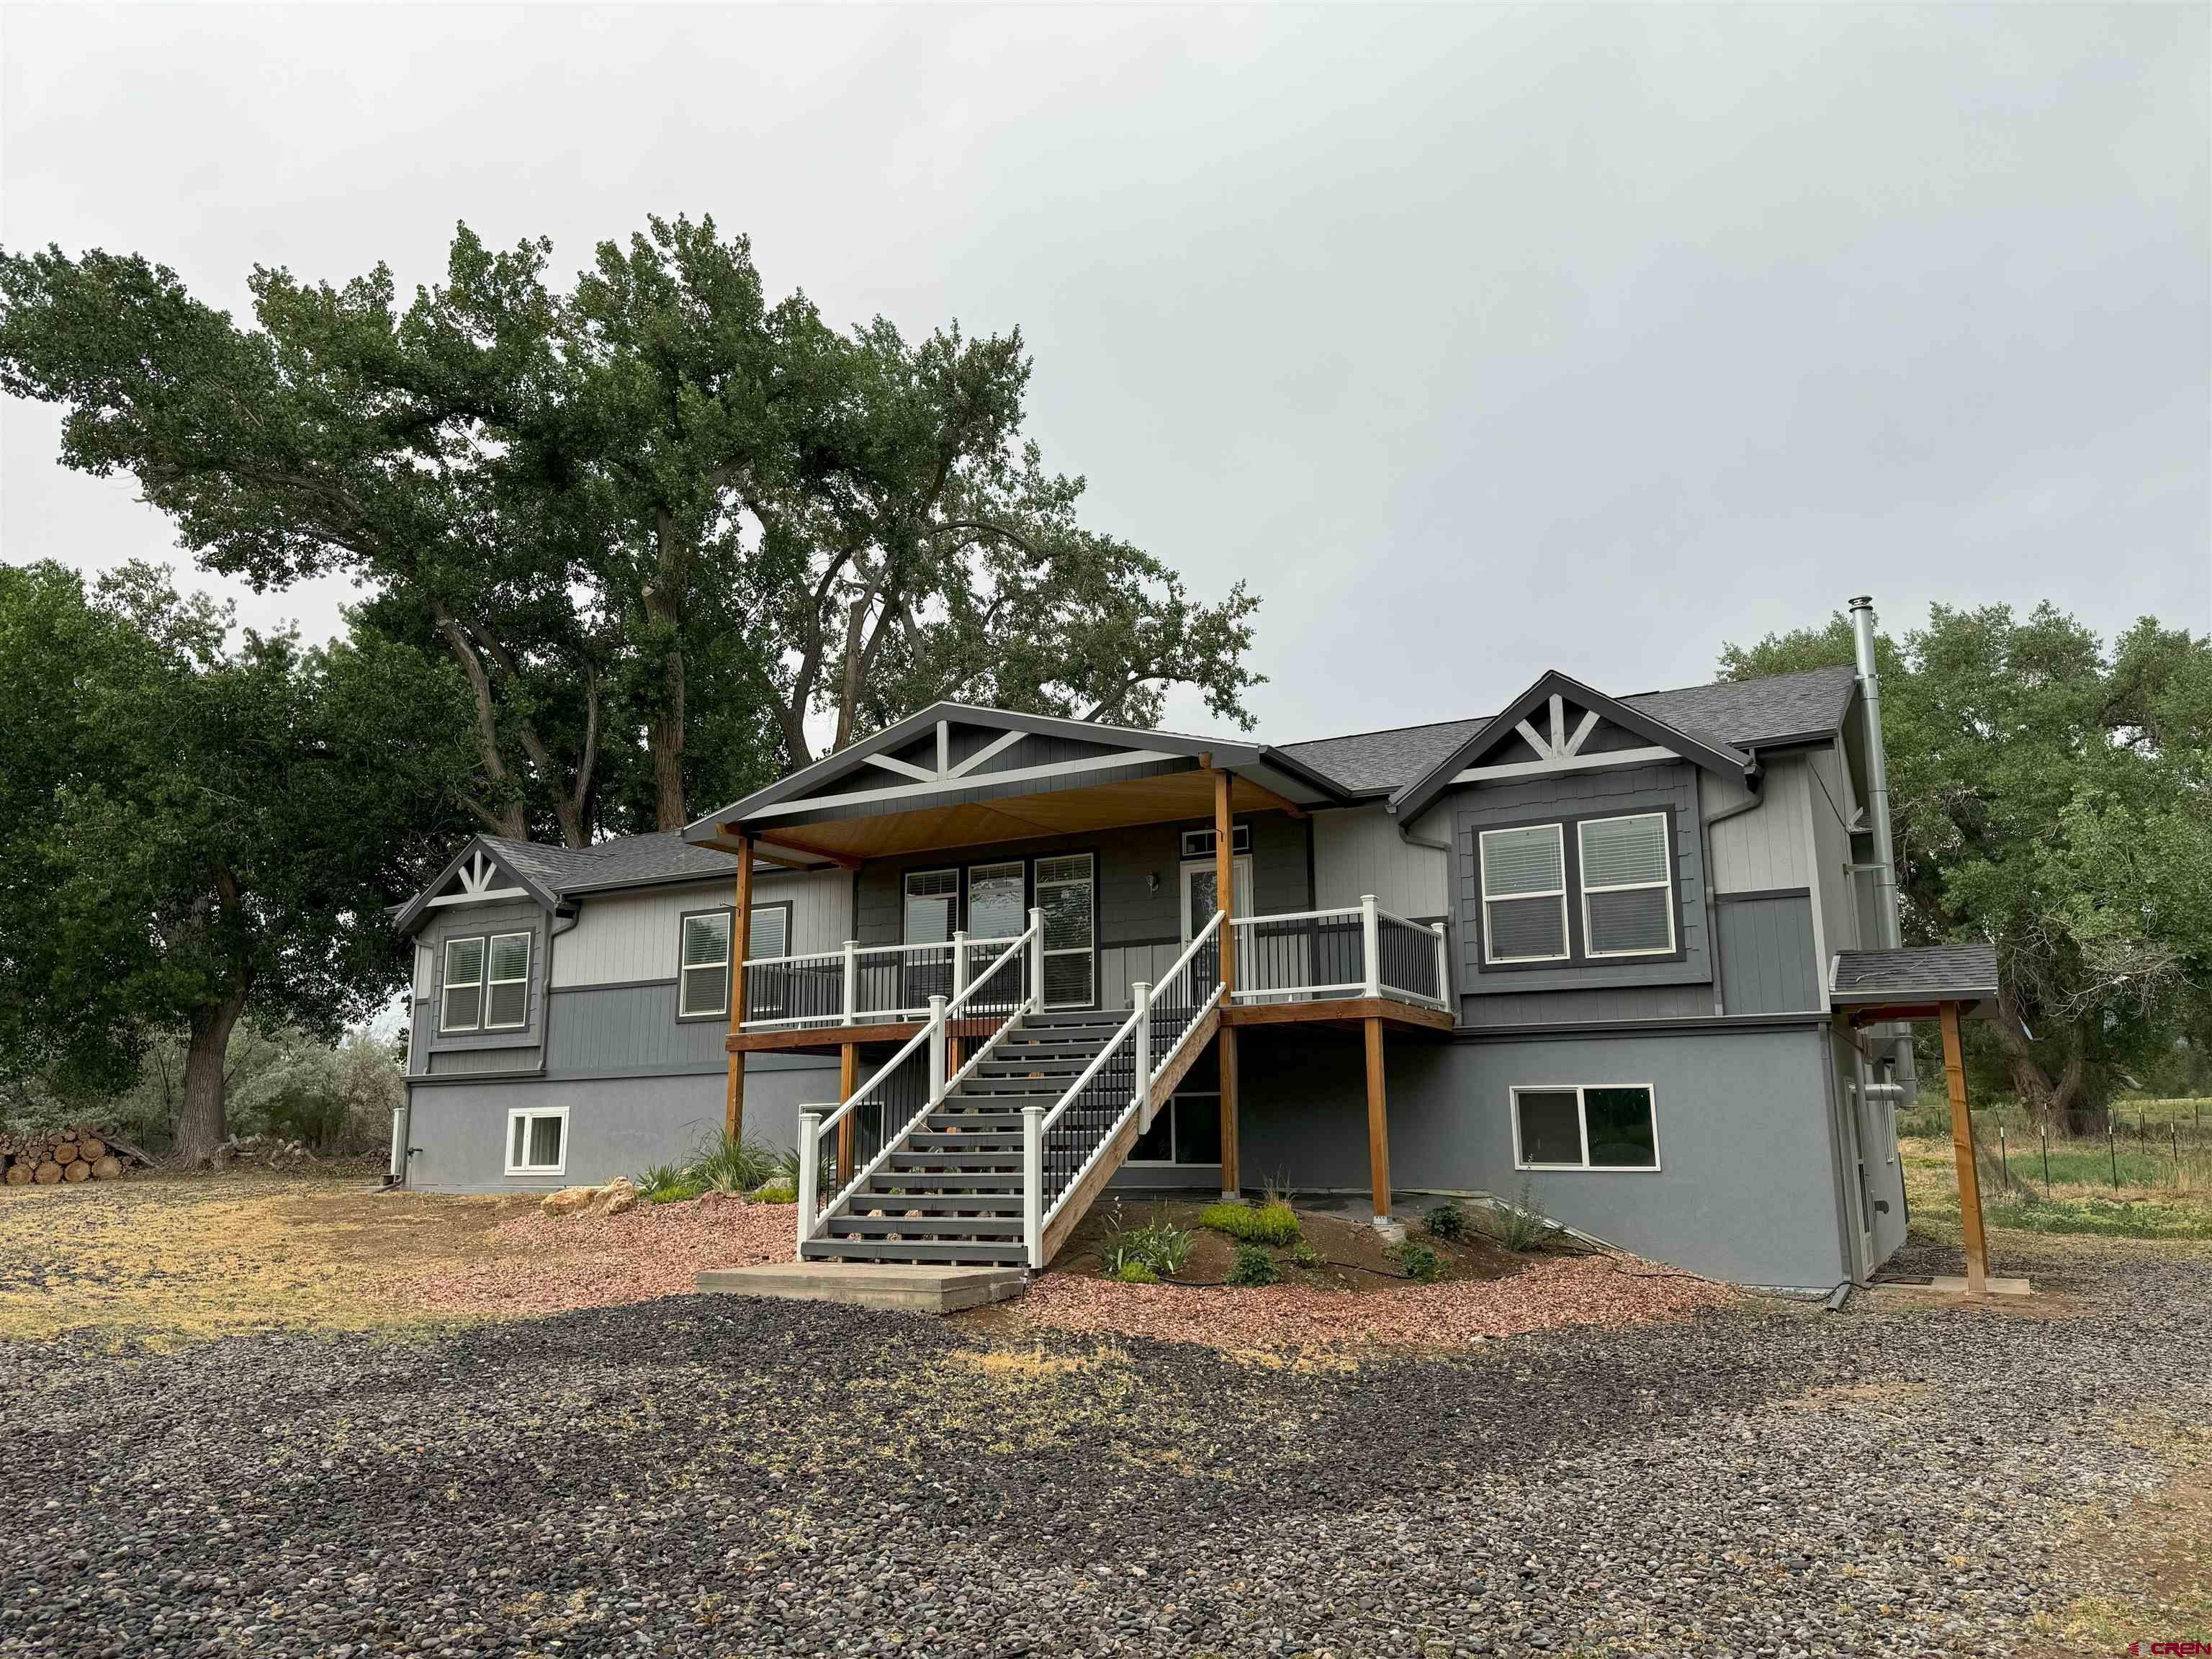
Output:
x=60 y=1157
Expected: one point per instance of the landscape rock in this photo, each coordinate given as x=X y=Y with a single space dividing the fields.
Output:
x=569 y=1200
x=616 y=1197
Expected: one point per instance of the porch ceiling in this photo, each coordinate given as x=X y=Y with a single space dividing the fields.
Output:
x=1167 y=798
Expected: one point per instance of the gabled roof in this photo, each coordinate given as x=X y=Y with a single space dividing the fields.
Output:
x=1743 y=714
x=1555 y=688
x=1914 y=974
x=547 y=874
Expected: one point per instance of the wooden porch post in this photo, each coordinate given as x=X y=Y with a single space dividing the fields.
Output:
x=849 y=1079
x=1962 y=1153
x=741 y=935
x=1224 y=883
x=1231 y=1181
x=1378 y=1124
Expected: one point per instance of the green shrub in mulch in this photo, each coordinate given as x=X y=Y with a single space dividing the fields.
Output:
x=1303 y=1255
x=1253 y=1266
x=776 y=1192
x=1135 y=1272
x=1446 y=1222
x=730 y=1164
x=1274 y=1224
x=1422 y=1265
x=664 y=1183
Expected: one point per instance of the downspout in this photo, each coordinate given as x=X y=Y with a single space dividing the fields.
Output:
x=1900 y=1039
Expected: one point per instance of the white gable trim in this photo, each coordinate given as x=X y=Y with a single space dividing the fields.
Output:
x=490 y=894
x=1565 y=763
x=920 y=791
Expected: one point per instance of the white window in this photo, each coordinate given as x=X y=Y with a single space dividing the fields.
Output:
x=1199 y=843
x=461 y=1006
x=996 y=896
x=703 y=970
x=933 y=904
x=538 y=1141
x=1067 y=893
x=507 y=991
x=1524 y=894
x=1594 y=1126
x=1628 y=899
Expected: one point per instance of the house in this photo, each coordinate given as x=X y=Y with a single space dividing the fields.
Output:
x=1601 y=949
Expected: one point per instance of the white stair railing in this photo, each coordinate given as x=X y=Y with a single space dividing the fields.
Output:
x=1100 y=1100
x=916 y=1077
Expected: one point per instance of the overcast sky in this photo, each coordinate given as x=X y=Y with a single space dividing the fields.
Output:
x=1477 y=341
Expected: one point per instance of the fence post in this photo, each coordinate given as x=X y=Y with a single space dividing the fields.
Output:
x=2113 y=1148
x=1140 y=995
x=1443 y=964
x=2004 y=1161
x=936 y=1049
x=2045 y=1133
x=852 y=978
x=1371 y=939
x=960 y=964
x=1033 y=1185
x=1036 y=960
x=810 y=1175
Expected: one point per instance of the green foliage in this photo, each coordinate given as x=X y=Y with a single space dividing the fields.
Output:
x=1303 y=1255
x=1274 y=1224
x=2025 y=1213
x=1518 y=1226
x=1134 y=1273
x=2049 y=793
x=729 y=1164
x=664 y=1184
x=1253 y=1266
x=1422 y=1265
x=1446 y=1222
x=635 y=531
x=1159 y=1246
x=777 y=1192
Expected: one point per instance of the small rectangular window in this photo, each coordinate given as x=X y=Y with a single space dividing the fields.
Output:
x=1199 y=843
x=1628 y=899
x=538 y=1141
x=461 y=1006
x=1585 y=1126
x=1524 y=894
x=704 y=970
x=506 y=992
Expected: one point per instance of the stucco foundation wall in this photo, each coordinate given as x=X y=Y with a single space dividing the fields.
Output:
x=1747 y=1186
x=616 y=1126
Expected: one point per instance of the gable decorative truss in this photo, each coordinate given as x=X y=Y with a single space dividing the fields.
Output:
x=475 y=875
x=1556 y=720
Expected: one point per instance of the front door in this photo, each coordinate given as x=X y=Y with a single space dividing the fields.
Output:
x=1201 y=890
x=1066 y=891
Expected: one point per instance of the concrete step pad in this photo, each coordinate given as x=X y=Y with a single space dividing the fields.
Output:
x=899 y=1287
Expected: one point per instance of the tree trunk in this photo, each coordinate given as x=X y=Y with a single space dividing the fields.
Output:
x=663 y=609
x=199 y=1127
x=2062 y=1102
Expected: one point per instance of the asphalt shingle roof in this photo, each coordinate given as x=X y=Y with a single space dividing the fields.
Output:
x=627 y=860
x=1914 y=973
x=1734 y=712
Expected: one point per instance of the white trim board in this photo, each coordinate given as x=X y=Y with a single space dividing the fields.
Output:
x=1570 y=763
x=917 y=791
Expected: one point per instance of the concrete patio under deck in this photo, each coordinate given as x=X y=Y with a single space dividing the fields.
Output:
x=899 y=1287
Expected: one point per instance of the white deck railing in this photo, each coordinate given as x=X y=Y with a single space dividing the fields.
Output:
x=1352 y=950
x=860 y=984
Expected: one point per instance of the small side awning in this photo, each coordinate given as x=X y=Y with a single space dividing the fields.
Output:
x=1912 y=982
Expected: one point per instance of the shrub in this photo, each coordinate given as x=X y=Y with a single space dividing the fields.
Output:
x=1446 y=1222
x=1158 y=1246
x=730 y=1164
x=1136 y=1273
x=1422 y=1265
x=1253 y=1266
x=1518 y=1226
x=664 y=1183
x=1303 y=1255
x=1268 y=1224
x=776 y=1192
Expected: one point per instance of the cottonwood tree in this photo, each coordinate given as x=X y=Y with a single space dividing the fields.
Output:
x=2056 y=798
x=191 y=828
x=592 y=500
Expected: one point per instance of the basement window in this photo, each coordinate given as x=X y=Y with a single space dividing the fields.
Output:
x=538 y=1141
x=1595 y=1125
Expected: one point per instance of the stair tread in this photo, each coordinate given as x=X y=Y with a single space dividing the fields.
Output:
x=878 y=1250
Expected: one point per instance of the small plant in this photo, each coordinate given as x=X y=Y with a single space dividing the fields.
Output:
x=730 y=1164
x=1268 y=1223
x=1447 y=1221
x=1254 y=1266
x=1519 y=1226
x=1159 y=1246
x=664 y=1183
x=1136 y=1273
x=774 y=1192
x=1422 y=1265
x=1303 y=1255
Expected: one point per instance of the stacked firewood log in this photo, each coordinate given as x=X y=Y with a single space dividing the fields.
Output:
x=59 y=1156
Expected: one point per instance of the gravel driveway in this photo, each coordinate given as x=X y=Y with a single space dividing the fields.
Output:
x=710 y=1475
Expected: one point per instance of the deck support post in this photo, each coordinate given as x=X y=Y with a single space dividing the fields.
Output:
x=1371 y=948
x=1224 y=884
x=1962 y=1153
x=852 y=994
x=741 y=931
x=849 y=1079
x=1378 y=1125
x=1231 y=1177
x=1443 y=965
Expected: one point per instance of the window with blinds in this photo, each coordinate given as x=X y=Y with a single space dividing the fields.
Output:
x=933 y=906
x=460 y=1007
x=506 y=986
x=704 y=971
x=1524 y=894
x=1628 y=901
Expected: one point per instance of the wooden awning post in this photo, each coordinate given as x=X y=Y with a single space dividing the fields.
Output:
x=849 y=1079
x=1378 y=1125
x=1962 y=1152
x=741 y=935
x=1231 y=1181
x=1224 y=883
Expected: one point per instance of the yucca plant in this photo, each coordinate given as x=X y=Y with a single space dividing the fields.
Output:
x=664 y=1183
x=730 y=1164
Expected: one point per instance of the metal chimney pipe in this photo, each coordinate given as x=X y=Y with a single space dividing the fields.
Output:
x=1877 y=775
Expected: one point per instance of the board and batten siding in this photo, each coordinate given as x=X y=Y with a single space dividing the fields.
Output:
x=1834 y=885
x=628 y=938
x=1766 y=847
x=1358 y=850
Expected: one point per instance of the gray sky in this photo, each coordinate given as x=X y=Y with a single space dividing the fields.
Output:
x=1478 y=341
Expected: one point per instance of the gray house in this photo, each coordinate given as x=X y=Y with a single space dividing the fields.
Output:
x=983 y=965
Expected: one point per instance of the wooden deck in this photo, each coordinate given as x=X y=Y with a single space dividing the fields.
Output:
x=1346 y=1013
